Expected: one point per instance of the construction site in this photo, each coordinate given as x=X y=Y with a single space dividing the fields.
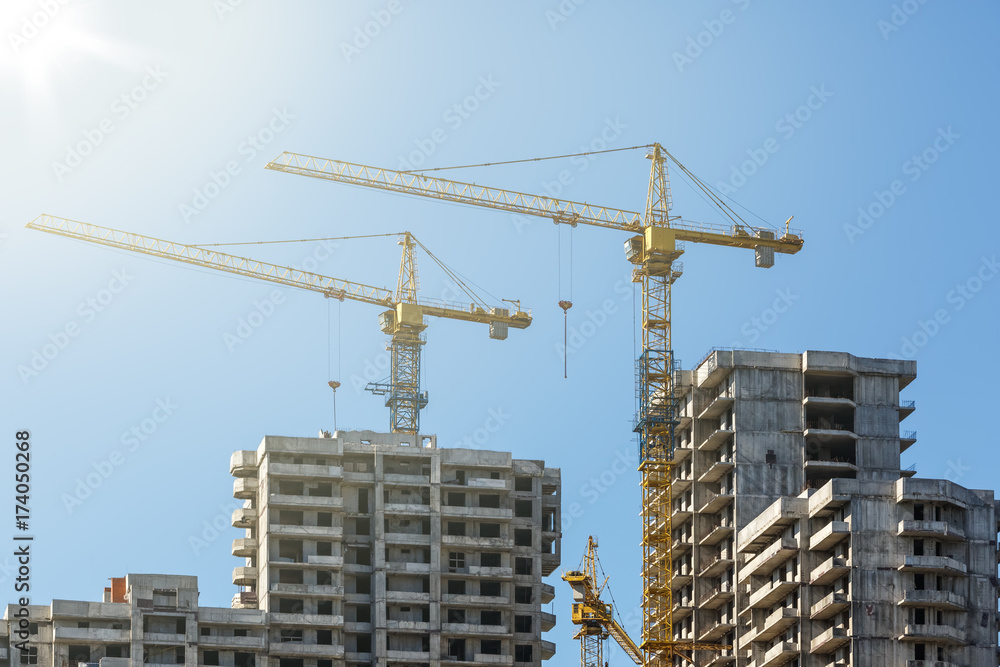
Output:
x=393 y=334
x=778 y=524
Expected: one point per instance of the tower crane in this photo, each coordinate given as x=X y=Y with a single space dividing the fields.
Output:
x=593 y=615
x=403 y=321
x=655 y=241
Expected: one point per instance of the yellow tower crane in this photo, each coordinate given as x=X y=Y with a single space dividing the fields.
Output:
x=594 y=616
x=403 y=322
x=654 y=244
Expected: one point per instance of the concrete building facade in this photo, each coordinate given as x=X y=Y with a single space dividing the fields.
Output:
x=798 y=538
x=360 y=548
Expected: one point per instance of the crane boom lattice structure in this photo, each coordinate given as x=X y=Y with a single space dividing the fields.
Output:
x=594 y=616
x=654 y=246
x=403 y=322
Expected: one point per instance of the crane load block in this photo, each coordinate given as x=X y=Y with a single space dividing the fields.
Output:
x=498 y=329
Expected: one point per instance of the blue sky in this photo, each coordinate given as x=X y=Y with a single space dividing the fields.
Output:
x=872 y=123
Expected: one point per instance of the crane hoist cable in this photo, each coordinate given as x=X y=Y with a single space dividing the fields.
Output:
x=565 y=304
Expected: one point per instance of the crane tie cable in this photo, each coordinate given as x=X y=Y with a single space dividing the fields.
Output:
x=533 y=159
x=328 y=238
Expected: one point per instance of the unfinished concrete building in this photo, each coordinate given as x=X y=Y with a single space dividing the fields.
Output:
x=367 y=546
x=798 y=538
x=361 y=548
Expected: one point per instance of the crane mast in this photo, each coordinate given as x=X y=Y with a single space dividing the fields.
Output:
x=655 y=245
x=403 y=321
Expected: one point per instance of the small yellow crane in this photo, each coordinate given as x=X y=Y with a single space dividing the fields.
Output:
x=593 y=615
x=403 y=322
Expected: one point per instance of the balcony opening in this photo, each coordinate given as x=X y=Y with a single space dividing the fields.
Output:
x=489 y=500
x=456 y=528
x=324 y=637
x=489 y=646
x=210 y=658
x=322 y=490
x=455 y=499
x=287 y=488
x=290 y=518
x=289 y=577
x=918 y=512
x=244 y=660
x=291 y=662
x=362 y=585
x=290 y=606
x=826 y=386
x=456 y=649
x=324 y=608
x=489 y=559
x=165 y=597
x=324 y=548
x=456 y=616
x=489 y=588
x=324 y=578
x=79 y=653
x=490 y=618
x=456 y=587
x=489 y=530
x=117 y=651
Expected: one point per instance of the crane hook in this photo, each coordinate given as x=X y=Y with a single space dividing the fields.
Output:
x=565 y=305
